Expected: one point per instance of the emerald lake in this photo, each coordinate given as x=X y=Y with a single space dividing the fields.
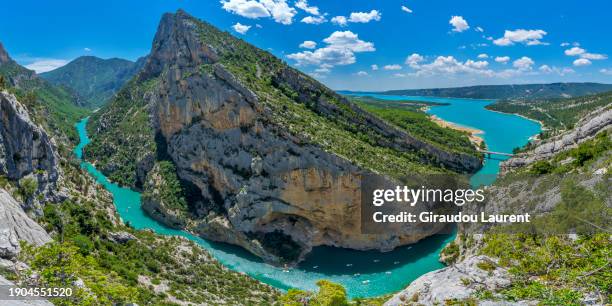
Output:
x=362 y=273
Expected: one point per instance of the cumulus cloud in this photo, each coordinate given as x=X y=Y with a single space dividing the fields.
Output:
x=340 y=49
x=527 y=37
x=502 y=59
x=479 y=29
x=406 y=9
x=339 y=20
x=523 y=64
x=413 y=60
x=362 y=73
x=565 y=44
x=449 y=65
x=362 y=17
x=314 y=19
x=303 y=5
x=483 y=55
x=279 y=10
x=86 y=49
x=606 y=71
x=392 y=67
x=459 y=24
x=308 y=44
x=555 y=70
x=241 y=28
x=583 y=54
x=574 y=51
x=374 y=67
x=582 y=62
x=46 y=64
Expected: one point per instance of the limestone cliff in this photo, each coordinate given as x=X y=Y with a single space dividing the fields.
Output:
x=597 y=121
x=26 y=151
x=16 y=226
x=273 y=160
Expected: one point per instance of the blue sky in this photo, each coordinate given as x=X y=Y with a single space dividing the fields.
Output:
x=356 y=44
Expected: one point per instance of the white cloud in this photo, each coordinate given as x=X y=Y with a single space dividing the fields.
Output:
x=86 y=49
x=564 y=44
x=594 y=56
x=413 y=60
x=246 y=8
x=476 y=64
x=449 y=65
x=582 y=62
x=279 y=10
x=314 y=19
x=362 y=73
x=241 y=28
x=479 y=29
x=340 y=50
x=392 y=67
x=606 y=71
x=560 y=71
x=46 y=64
x=523 y=64
x=502 y=59
x=339 y=20
x=374 y=67
x=574 y=51
x=308 y=44
x=362 y=17
x=528 y=37
x=459 y=24
x=406 y=9
x=399 y=75
x=582 y=53
x=303 y=5
x=483 y=55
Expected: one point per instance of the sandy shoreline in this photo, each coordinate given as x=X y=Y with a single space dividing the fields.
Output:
x=474 y=134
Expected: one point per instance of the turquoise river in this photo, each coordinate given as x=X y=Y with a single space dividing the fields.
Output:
x=363 y=273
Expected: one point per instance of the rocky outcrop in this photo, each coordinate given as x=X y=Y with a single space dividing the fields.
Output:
x=259 y=186
x=455 y=283
x=5 y=283
x=16 y=226
x=26 y=149
x=585 y=129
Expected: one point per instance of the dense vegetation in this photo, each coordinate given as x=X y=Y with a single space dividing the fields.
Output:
x=94 y=80
x=121 y=134
x=510 y=92
x=410 y=117
x=555 y=114
x=52 y=107
x=143 y=268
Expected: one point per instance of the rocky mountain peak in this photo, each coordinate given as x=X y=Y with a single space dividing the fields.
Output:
x=4 y=57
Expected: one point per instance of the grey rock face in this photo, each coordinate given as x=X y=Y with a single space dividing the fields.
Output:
x=459 y=281
x=585 y=129
x=256 y=181
x=121 y=237
x=15 y=226
x=25 y=148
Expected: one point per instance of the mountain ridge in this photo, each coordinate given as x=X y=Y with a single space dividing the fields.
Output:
x=93 y=79
x=509 y=91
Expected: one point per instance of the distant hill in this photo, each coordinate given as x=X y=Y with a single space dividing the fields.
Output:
x=556 y=114
x=510 y=92
x=92 y=79
x=52 y=106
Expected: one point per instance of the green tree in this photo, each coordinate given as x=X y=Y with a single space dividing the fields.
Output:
x=330 y=294
x=27 y=187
